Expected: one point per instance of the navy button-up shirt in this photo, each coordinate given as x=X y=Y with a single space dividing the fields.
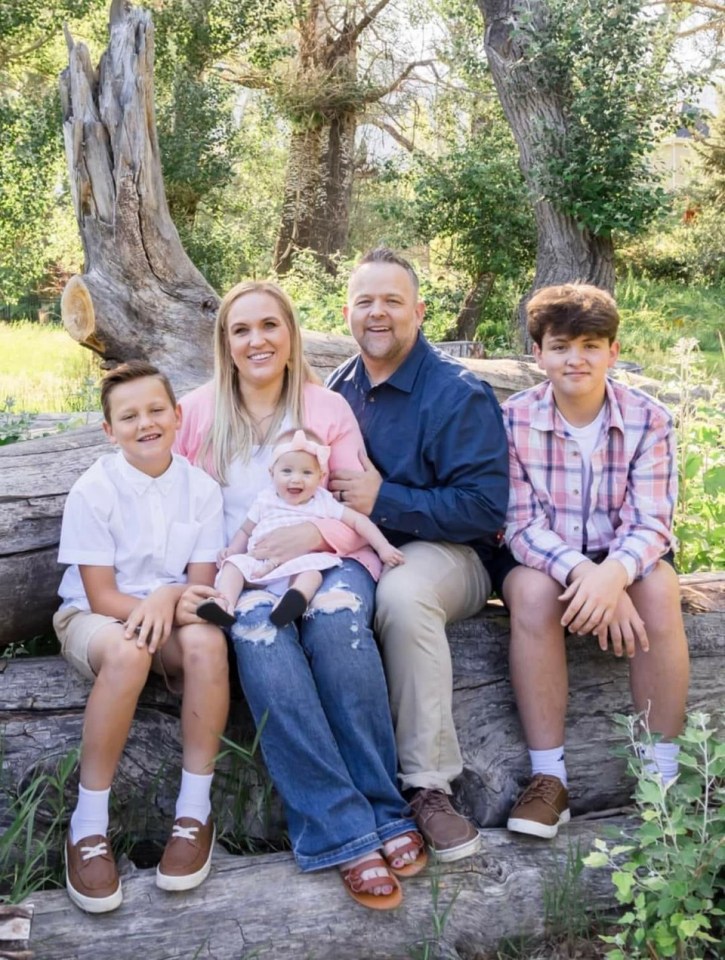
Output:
x=435 y=433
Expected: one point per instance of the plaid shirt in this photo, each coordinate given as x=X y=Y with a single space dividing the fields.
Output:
x=633 y=483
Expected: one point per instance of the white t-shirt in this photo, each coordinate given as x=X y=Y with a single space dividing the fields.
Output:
x=587 y=438
x=148 y=529
x=245 y=481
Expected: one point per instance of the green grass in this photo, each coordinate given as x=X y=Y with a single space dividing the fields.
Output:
x=656 y=314
x=42 y=370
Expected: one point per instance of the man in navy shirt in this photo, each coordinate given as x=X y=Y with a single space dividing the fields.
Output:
x=436 y=483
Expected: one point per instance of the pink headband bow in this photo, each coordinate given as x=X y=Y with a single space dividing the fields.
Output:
x=300 y=443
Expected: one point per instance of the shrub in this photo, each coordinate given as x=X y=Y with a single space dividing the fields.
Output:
x=669 y=875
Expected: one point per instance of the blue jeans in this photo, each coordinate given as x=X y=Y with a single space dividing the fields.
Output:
x=328 y=737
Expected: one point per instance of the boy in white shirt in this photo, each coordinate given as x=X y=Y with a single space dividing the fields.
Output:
x=137 y=527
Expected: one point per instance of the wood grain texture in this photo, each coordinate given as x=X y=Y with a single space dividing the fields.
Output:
x=42 y=702
x=264 y=908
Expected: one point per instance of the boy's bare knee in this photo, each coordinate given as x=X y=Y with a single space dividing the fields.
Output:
x=202 y=642
x=532 y=596
x=124 y=660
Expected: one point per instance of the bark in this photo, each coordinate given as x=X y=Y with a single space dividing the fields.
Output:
x=263 y=907
x=566 y=251
x=470 y=314
x=139 y=294
x=317 y=193
x=42 y=702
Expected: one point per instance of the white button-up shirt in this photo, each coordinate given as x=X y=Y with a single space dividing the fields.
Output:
x=147 y=528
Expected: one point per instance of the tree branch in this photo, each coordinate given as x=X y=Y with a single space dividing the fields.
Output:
x=392 y=132
x=377 y=93
x=366 y=20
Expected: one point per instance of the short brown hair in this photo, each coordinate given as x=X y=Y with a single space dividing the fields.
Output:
x=386 y=255
x=125 y=373
x=572 y=310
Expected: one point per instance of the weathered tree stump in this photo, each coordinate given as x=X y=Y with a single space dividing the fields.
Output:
x=139 y=295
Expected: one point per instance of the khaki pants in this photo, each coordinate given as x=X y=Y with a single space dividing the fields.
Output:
x=438 y=583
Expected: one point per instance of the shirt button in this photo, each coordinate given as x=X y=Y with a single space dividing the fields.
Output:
x=372 y=399
x=576 y=493
x=575 y=453
x=576 y=529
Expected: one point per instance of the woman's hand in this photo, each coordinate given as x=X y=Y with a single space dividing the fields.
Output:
x=189 y=600
x=289 y=542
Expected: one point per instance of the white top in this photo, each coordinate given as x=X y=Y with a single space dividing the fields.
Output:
x=148 y=529
x=270 y=512
x=586 y=438
x=245 y=481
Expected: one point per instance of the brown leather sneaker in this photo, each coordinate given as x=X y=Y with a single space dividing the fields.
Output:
x=186 y=861
x=91 y=877
x=447 y=833
x=541 y=808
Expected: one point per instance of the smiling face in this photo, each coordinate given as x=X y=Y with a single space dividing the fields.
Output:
x=296 y=476
x=143 y=422
x=384 y=316
x=577 y=368
x=258 y=338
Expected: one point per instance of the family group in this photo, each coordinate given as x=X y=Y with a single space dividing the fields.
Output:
x=327 y=535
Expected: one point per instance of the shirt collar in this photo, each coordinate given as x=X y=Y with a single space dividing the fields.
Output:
x=403 y=378
x=141 y=482
x=545 y=415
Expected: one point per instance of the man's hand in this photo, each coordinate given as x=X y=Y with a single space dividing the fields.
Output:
x=357 y=489
x=592 y=595
x=625 y=630
x=279 y=546
x=189 y=600
x=151 y=622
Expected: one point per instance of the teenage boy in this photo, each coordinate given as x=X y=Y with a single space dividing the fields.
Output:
x=593 y=489
x=137 y=526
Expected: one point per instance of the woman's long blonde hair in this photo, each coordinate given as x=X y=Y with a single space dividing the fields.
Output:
x=232 y=433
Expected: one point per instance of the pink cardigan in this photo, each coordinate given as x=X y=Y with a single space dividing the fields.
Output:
x=330 y=416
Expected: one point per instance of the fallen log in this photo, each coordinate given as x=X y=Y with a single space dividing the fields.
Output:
x=263 y=907
x=42 y=702
x=36 y=476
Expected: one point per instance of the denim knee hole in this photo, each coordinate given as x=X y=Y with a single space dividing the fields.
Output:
x=263 y=632
x=338 y=598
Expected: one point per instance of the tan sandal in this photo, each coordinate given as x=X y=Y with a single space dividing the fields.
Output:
x=361 y=888
x=413 y=841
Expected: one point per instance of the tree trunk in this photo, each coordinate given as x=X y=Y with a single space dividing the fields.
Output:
x=317 y=193
x=262 y=907
x=469 y=316
x=566 y=251
x=139 y=295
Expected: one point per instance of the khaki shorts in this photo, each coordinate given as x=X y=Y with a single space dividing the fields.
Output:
x=75 y=629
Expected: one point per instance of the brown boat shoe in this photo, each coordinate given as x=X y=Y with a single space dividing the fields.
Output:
x=91 y=876
x=449 y=834
x=541 y=808
x=186 y=860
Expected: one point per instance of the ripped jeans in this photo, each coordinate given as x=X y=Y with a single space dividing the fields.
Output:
x=328 y=739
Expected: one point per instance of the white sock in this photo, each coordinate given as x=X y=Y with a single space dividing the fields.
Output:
x=550 y=762
x=661 y=757
x=90 y=816
x=195 y=796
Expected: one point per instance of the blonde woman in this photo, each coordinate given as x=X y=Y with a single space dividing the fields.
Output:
x=327 y=739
